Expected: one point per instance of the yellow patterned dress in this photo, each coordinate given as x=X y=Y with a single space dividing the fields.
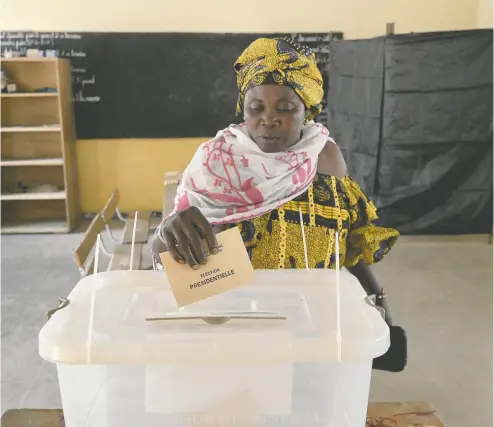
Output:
x=274 y=240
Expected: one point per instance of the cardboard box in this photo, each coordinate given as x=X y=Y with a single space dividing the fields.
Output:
x=392 y=414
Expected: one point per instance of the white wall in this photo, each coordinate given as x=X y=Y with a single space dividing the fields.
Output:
x=356 y=18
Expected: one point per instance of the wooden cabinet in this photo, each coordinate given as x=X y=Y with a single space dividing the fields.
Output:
x=38 y=164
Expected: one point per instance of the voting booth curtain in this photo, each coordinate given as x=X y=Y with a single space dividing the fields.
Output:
x=413 y=117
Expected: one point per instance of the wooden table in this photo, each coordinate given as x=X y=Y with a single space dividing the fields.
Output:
x=393 y=414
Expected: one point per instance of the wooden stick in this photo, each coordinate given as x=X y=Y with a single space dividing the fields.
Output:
x=133 y=241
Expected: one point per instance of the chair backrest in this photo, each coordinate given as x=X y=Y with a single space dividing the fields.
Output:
x=83 y=254
x=111 y=206
x=170 y=185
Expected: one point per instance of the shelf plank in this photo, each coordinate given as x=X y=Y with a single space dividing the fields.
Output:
x=32 y=162
x=34 y=227
x=29 y=95
x=28 y=59
x=47 y=128
x=56 y=195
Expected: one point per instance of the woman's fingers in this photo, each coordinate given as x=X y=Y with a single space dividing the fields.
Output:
x=206 y=231
x=184 y=248
x=183 y=233
x=171 y=247
x=195 y=243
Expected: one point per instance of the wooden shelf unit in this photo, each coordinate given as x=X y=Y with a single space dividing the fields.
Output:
x=38 y=148
x=25 y=129
x=32 y=162
x=29 y=95
x=48 y=195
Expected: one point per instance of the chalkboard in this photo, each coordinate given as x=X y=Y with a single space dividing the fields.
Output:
x=137 y=85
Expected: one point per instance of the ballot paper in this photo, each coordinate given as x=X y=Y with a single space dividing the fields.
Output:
x=228 y=269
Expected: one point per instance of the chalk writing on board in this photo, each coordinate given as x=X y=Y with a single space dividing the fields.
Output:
x=73 y=54
x=55 y=45
x=79 y=97
x=83 y=81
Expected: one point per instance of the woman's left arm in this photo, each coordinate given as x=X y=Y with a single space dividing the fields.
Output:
x=331 y=162
x=364 y=275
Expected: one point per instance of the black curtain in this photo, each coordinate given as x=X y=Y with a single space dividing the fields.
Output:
x=413 y=117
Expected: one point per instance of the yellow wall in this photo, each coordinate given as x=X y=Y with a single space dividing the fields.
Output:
x=136 y=167
x=356 y=18
x=484 y=14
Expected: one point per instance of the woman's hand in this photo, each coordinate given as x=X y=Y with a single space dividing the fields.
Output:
x=381 y=302
x=183 y=234
x=364 y=275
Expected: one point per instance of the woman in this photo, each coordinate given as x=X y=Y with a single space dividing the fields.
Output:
x=258 y=175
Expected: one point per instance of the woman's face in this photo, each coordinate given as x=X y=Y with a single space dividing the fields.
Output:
x=274 y=116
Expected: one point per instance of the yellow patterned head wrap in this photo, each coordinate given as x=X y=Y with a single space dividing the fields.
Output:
x=288 y=63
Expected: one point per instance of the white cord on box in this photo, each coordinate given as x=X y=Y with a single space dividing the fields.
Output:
x=133 y=241
x=89 y=339
x=338 y=296
x=96 y=254
x=338 y=286
x=303 y=238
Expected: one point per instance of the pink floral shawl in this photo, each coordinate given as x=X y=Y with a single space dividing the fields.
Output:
x=230 y=179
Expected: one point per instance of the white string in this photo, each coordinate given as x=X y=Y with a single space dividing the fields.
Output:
x=133 y=241
x=103 y=248
x=89 y=339
x=119 y=215
x=112 y=237
x=96 y=254
x=303 y=238
x=338 y=296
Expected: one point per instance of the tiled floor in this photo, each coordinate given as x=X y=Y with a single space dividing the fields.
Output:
x=440 y=290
